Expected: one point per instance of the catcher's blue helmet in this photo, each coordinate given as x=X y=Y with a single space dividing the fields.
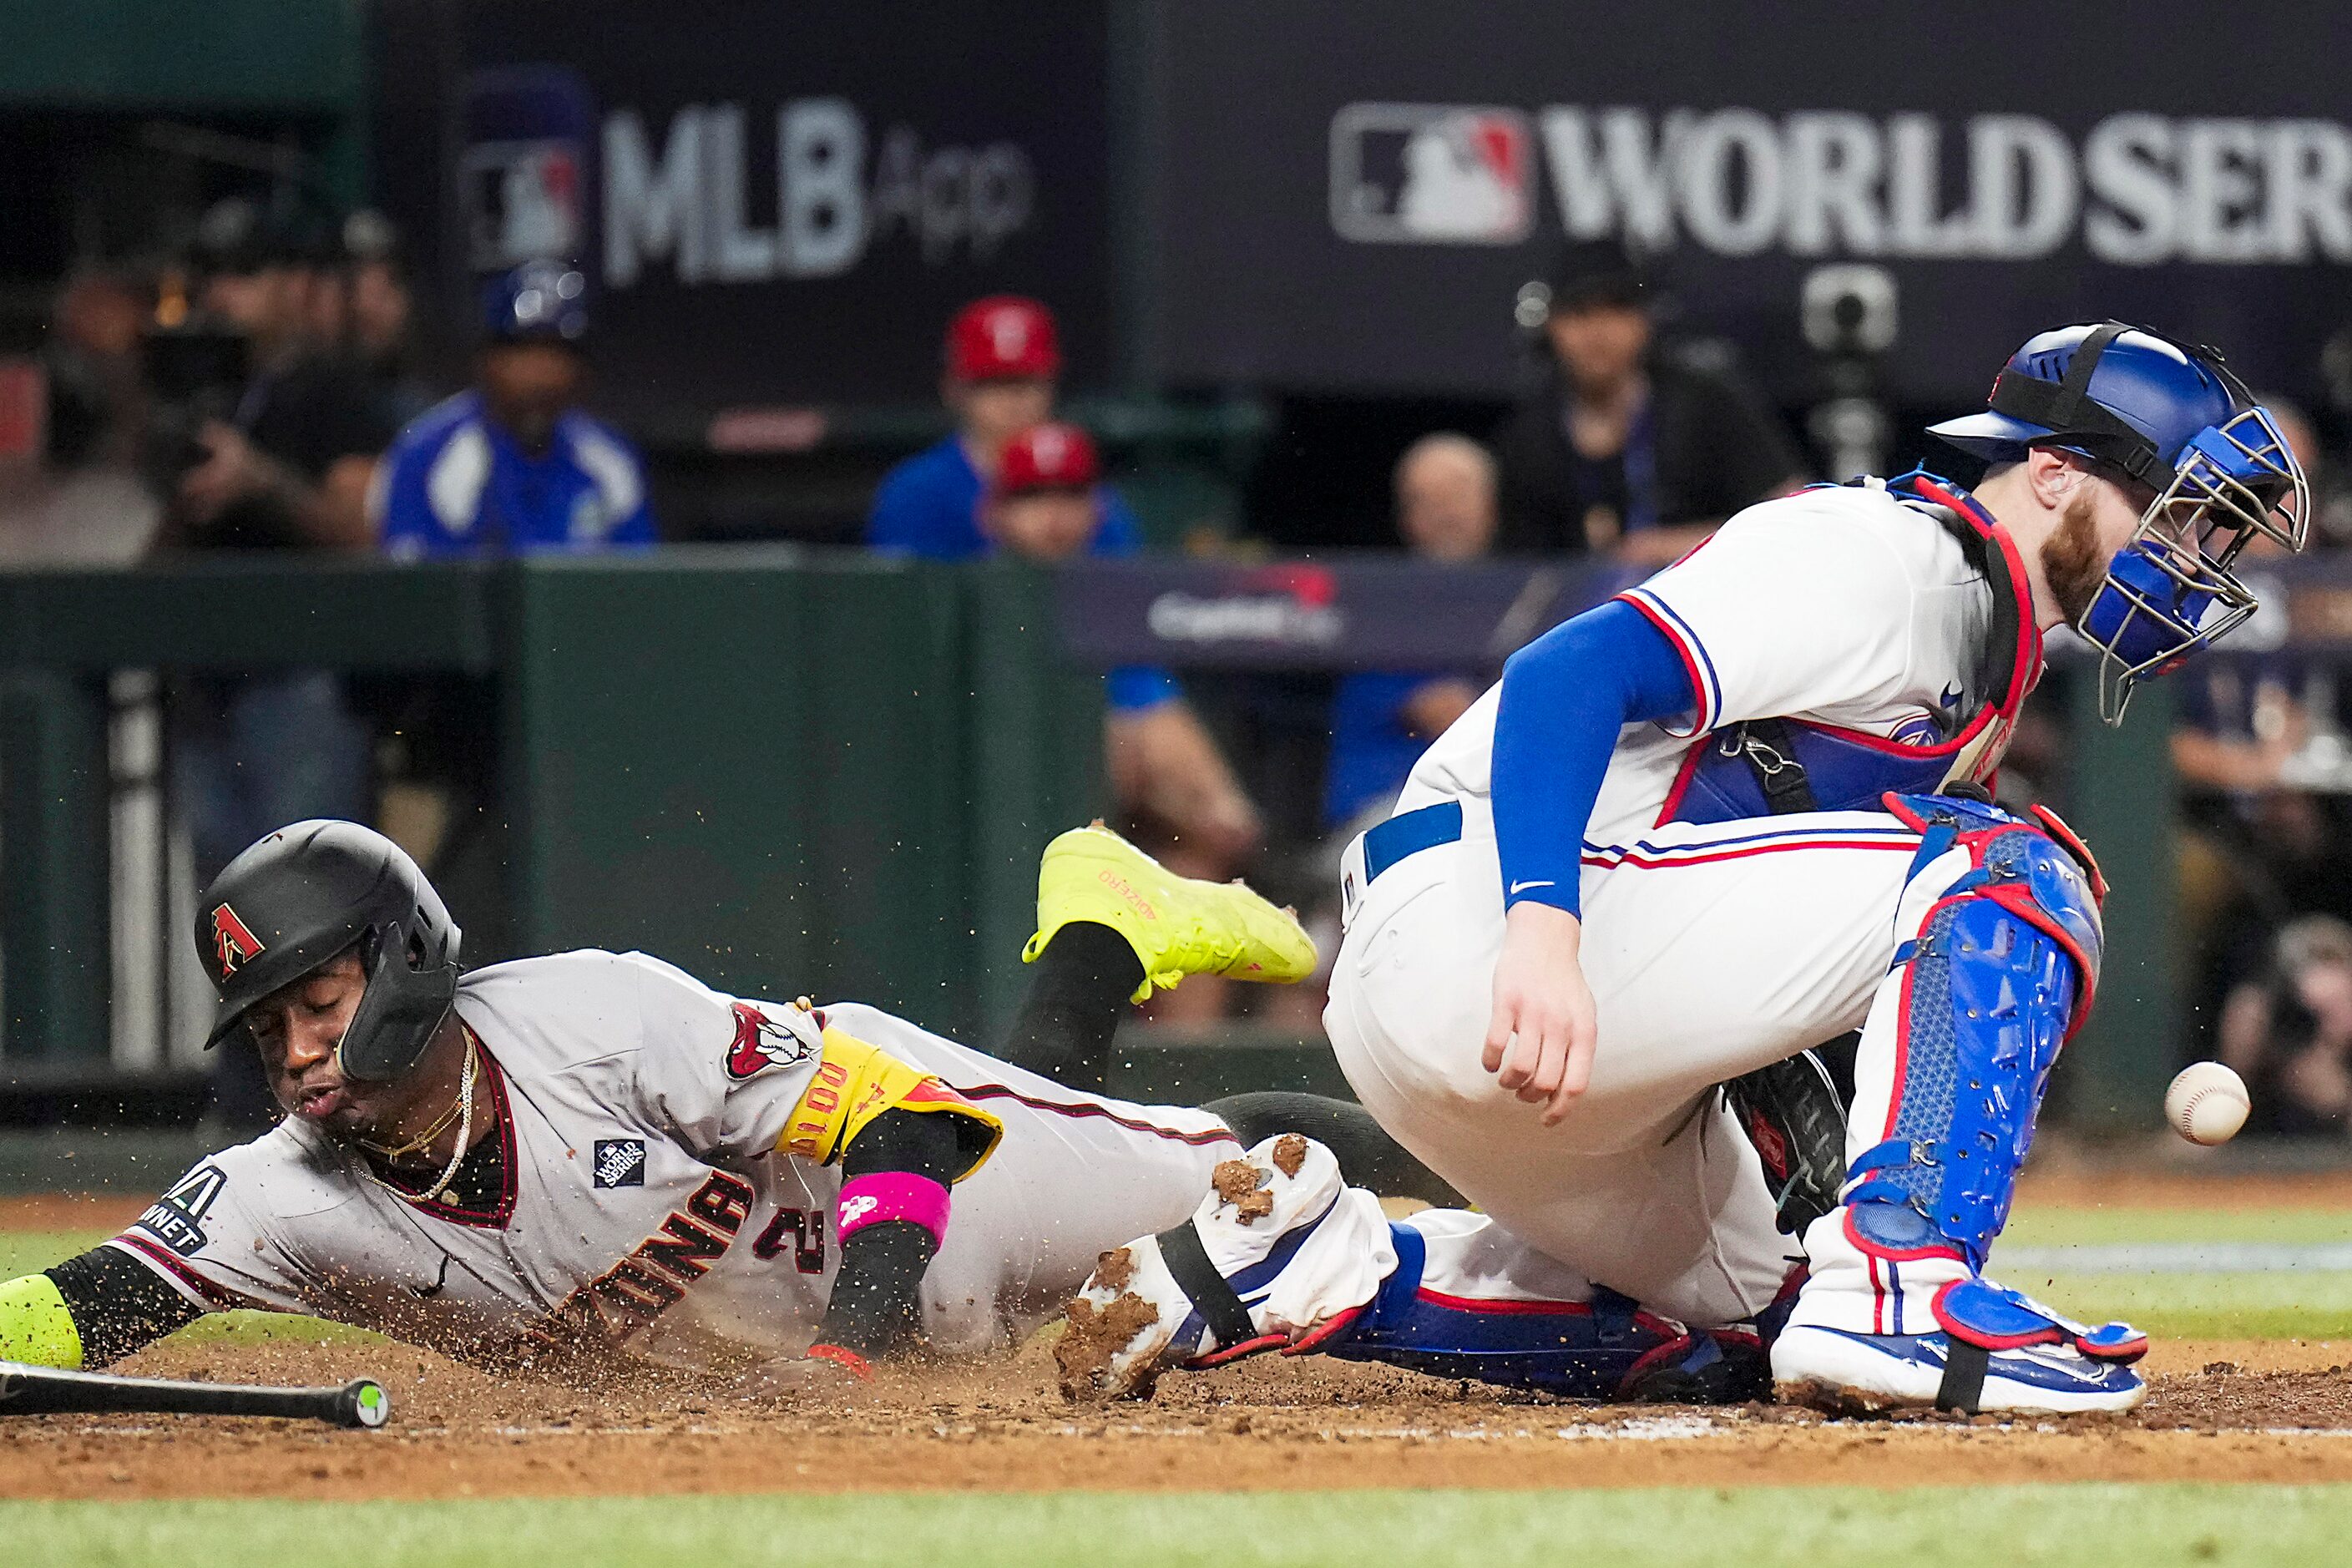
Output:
x=2174 y=419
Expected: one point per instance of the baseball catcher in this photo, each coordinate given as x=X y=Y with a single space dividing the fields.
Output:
x=1733 y=812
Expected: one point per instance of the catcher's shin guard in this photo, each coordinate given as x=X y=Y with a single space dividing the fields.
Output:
x=1954 y=1059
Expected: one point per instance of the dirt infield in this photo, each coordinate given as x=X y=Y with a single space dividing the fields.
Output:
x=2252 y=1411
x=2259 y=1411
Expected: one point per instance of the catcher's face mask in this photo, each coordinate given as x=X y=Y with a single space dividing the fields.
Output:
x=2170 y=592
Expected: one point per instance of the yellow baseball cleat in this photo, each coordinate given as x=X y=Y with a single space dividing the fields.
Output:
x=1177 y=925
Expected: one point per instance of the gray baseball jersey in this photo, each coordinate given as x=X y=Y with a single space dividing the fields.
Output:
x=645 y=1211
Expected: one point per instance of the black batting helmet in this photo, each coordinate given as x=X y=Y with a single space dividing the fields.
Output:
x=310 y=892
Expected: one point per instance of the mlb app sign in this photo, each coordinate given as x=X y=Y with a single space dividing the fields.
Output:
x=1414 y=174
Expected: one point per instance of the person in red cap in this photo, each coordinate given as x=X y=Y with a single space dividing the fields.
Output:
x=1003 y=357
x=1046 y=503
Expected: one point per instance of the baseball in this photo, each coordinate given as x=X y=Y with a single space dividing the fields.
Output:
x=2207 y=1103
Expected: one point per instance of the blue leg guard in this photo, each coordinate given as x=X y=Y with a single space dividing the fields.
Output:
x=2002 y=966
x=1607 y=1348
x=1896 y=1313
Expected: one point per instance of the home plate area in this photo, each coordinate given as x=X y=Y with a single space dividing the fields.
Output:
x=2251 y=1410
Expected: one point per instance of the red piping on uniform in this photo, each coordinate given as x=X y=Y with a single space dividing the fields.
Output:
x=1513 y=1307
x=2027 y=669
x=1080 y=1109
x=1702 y=720
x=1632 y=859
x=1682 y=776
x=1888 y=745
x=503 y=1210
x=220 y=1297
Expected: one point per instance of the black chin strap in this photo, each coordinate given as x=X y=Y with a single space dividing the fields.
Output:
x=2064 y=407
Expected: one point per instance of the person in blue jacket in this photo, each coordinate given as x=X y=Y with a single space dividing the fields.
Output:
x=513 y=465
x=1003 y=356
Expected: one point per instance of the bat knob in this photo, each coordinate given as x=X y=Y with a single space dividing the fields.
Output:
x=364 y=1404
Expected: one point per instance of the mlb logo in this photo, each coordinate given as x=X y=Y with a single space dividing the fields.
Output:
x=620 y=1162
x=1432 y=173
x=524 y=201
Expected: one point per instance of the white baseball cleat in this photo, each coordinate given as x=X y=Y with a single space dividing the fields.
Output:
x=1987 y=1349
x=1279 y=1251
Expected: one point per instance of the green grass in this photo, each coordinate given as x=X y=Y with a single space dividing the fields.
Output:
x=2287 y=1304
x=2079 y=1526
x=22 y=1251
x=2092 y=1227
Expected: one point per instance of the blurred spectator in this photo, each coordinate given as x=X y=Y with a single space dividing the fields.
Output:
x=287 y=462
x=1046 y=502
x=2288 y=1032
x=379 y=316
x=267 y=440
x=1382 y=720
x=71 y=494
x=1626 y=449
x=278 y=456
x=1002 y=356
x=2266 y=778
x=514 y=465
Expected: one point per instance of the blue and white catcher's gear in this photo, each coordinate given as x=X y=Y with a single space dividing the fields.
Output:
x=1281 y=1255
x=2175 y=419
x=1997 y=970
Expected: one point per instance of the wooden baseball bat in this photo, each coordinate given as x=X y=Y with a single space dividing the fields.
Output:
x=44 y=1391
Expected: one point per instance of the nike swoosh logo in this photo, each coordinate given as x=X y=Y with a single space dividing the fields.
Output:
x=1951 y=695
x=1518 y=888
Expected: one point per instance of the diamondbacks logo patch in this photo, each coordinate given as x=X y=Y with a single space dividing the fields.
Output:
x=620 y=1162
x=761 y=1043
x=234 y=944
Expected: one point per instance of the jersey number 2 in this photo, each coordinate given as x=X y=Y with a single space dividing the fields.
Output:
x=808 y=1239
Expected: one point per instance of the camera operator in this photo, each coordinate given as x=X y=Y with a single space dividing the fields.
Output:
x=276 y=454
x=266 y=439
x=1624 y=449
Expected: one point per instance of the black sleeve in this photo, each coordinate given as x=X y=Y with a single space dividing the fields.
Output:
x=324 y=411
x=877 y=1305
x=1535 y=493
x=119 y=1305
x=1741 y=444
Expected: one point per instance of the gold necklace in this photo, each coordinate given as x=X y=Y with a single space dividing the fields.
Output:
x=440 y=1190
x=423 y=1140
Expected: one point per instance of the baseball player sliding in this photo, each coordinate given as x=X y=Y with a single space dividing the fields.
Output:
x=584 y=1160
x=1733 y=812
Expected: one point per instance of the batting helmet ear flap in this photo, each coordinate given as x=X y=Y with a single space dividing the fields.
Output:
x=411 y=982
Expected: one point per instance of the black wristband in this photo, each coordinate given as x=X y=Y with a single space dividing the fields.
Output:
x=878 y=1293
